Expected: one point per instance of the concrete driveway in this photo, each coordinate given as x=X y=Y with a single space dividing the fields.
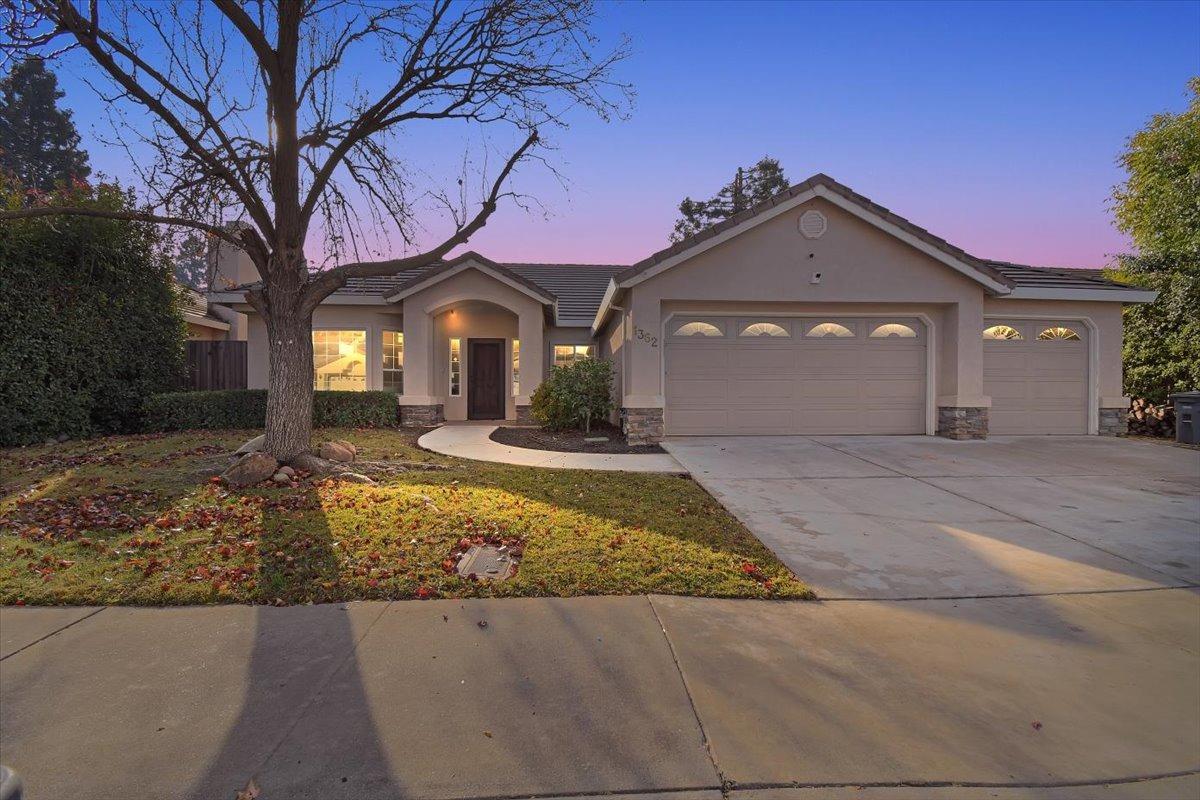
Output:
x=922 y=517
x=1082 y=681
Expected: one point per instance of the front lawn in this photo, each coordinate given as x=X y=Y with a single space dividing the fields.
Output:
x=135 y=519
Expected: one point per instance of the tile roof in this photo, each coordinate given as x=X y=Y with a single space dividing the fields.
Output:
x=580 y=288
x=1024 y=275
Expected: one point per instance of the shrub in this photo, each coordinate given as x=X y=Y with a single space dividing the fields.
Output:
x=89 y=324
x=575 y=395
x=247 y=408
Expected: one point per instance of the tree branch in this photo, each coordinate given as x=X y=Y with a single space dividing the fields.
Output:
x=248 y=239
x=328 y=282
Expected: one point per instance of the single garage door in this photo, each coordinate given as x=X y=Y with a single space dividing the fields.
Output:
x=1036 y=373
x=766 y=375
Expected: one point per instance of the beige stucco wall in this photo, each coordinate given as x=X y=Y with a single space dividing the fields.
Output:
x=863 y=271
x=372 y=319
x=203 y=333
x=484 y=308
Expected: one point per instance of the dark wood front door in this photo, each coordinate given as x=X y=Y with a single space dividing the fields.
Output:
x=485 y=379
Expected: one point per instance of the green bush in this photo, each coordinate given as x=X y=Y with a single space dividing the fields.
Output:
x=1162 y=339
x=247 y=408
x=89 y=323
x=574 y=396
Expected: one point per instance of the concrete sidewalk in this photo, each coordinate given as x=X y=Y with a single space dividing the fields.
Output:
x=472 y=440
x=1079 y=696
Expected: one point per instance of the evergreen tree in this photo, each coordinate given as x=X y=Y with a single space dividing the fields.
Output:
x=191 y=261
x=750 y=186
x=38 y=140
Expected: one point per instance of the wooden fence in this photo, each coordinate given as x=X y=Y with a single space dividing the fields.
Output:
x=216 y=365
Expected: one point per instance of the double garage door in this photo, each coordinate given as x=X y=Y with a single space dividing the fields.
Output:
x=764 y=375
x=756 y=375
x=1036 y=373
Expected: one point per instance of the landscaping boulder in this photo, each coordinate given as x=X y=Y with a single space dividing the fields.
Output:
x=338 y=451
x=282 y=478
x=250 y=469
x=354 y=477
x=286 y=470
x=253 y=446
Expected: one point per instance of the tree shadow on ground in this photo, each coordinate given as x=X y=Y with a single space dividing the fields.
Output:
x=295 y=654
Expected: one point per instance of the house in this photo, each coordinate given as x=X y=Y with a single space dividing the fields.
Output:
x=815 y=312
x=209 y=322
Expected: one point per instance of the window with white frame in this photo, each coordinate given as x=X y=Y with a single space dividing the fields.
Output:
x=455 y=367
x=516 y=367
x=565 y=354
x=340 y=360
x=393 y=362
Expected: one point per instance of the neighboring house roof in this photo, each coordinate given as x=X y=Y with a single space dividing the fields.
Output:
x=194 y=306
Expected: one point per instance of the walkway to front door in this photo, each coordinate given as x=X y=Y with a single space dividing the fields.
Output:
x=485 y=379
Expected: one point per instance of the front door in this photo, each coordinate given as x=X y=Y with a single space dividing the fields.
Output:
x=485 y=379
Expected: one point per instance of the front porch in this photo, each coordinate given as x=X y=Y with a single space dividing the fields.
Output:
x=474 y=347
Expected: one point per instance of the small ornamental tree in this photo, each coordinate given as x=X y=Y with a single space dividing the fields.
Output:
x=89 y=318
x=575 y=395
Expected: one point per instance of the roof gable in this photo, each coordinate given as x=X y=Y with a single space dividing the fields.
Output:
x=470 y=260
x=822 y=186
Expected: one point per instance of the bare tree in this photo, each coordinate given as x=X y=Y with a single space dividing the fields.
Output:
x=285 y=115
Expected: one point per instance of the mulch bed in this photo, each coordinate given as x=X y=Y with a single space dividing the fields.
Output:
x=570 y=441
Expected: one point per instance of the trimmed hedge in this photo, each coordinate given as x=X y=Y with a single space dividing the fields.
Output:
x=247 y=408
x=89 y=322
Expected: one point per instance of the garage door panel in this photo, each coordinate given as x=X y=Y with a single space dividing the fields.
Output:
x=685 y=420
x=1072 y=391
x=837 y=390
x=895 y=420
x=799 y=384
x=893 y=360
x=898 y=389
x=818 y=420
x=688 y=391
x=763 y=420
x=1037 y=386
x=763 y=359
x=822 y=360
x=714 y=359
x=749 y=390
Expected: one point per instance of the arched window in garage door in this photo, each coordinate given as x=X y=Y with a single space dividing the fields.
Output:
x=1059 y=333
x=698 y=329
x=1002 y=333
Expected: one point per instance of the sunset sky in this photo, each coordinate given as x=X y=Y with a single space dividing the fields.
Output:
x=995 y=126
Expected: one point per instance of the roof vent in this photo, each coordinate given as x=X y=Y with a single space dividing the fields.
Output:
x=812 y=224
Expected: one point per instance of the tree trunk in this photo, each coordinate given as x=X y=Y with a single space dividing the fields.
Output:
x=290 y=383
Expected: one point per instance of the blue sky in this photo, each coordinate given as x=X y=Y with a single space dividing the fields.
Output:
x=995 y=125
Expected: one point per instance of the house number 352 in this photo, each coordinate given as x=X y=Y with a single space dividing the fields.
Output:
x=644 y=335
